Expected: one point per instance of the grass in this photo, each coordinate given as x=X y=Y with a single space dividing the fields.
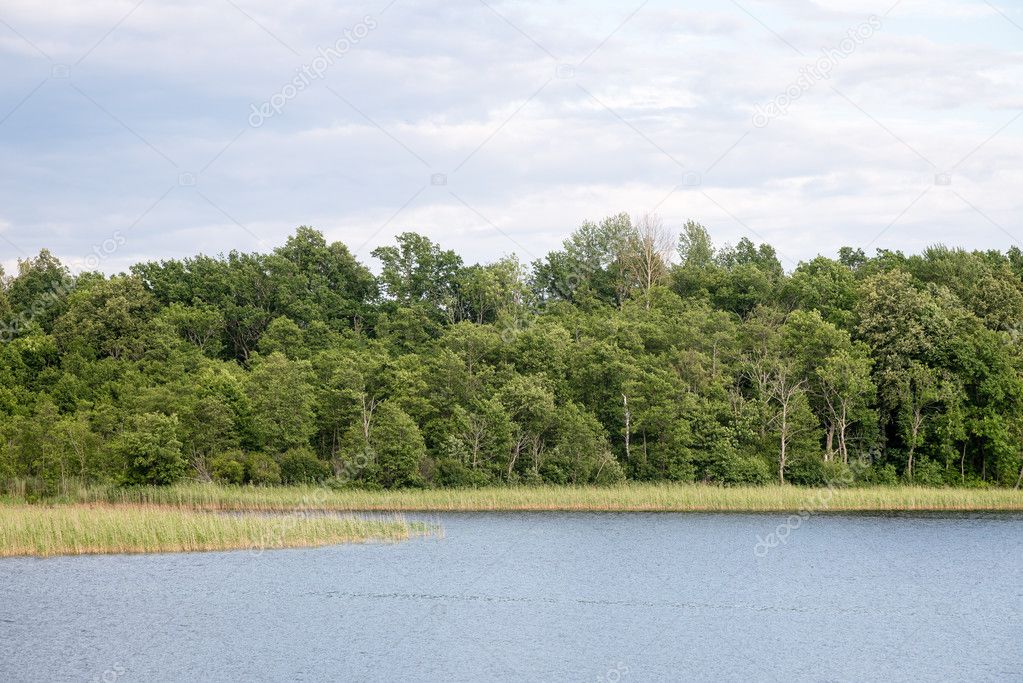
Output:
x=186 y=517
x=38 y=530
x=631 y=497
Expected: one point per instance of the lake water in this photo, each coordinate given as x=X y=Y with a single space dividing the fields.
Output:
x=542 y=597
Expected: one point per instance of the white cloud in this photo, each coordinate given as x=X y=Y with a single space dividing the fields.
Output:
x=437 y=84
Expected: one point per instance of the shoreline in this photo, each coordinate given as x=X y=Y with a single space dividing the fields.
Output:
x=629 y=498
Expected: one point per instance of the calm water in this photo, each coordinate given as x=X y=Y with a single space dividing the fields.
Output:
x=552 y=597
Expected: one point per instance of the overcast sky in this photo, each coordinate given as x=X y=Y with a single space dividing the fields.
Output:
x=164 y=128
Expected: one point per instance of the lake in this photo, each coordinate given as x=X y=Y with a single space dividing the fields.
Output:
x=543 y=597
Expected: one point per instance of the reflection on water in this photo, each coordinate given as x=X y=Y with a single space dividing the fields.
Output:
x=588 y=597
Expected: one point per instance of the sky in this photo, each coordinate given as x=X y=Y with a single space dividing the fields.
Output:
x=136 y=130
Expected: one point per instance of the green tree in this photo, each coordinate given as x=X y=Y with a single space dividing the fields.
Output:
x=419 y=271
x=397 y=447
x=107 y=318
x=282 y=399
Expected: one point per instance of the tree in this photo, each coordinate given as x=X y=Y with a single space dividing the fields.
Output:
x=847 y=391
x=646 y=254
x=788 y=395
x=695 y=247
x=201 y=325
x=419 y=271
x=486 y=292
x=825 y=286
x=590 y=265
x=209 y=425
x=284 y=336
x=582 y=453
x=282 y=402
x=606 y=361
x=918 y=387
x=38 y=293
x=529 y=403
x=481 y=436
x=397 y=447
x=322 y=282
x=107 y=318
x=5 y=305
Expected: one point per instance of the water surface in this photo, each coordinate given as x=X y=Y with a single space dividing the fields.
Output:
x=542 y=597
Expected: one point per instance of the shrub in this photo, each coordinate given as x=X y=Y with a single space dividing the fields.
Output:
x=261 y=469
x=812 y=470
x=928 y=473
x=301 y=466
x=732 y=469
x=228 y=468
x=151 y=451
x=881 y=476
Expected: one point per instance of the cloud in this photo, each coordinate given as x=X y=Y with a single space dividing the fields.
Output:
x=537 y=115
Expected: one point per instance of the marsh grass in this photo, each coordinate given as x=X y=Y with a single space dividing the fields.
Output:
x=631 y=497
x=38 y=530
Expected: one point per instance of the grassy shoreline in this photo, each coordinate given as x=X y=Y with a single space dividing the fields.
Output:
x=628 y=498
x=86 y=529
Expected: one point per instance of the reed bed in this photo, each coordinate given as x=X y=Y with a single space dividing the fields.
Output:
x=37 y=530
x=631 y=497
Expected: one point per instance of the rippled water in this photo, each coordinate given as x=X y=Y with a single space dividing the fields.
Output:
x=588 y=597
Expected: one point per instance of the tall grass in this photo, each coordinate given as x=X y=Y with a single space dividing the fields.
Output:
x=88 y=529
x=631 y=497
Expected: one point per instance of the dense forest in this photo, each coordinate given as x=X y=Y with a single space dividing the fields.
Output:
x=634 y=352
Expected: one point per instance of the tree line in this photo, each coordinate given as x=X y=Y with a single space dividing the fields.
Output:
x=633 y=352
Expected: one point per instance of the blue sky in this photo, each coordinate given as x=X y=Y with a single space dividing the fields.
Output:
x=499 y=126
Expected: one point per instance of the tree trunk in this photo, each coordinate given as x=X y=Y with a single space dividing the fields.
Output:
x=843 y=448
x=628 y=428
x=784 y=441
x=516 y=450
x=918 y=420
x=367 y=417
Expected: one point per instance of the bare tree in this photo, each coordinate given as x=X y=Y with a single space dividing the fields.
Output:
x=648 y=253
x=779 y=386
x=783 y=390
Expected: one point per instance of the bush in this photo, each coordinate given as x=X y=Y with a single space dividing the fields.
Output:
x=806 y=470
x=881 y=476
x=928 y=473
x=453 y=472
x=261 y=469
x=733 y=469
x=301 y=466
x=151 y=451
x=837 y=474
x=228 y=468
x=610 y=473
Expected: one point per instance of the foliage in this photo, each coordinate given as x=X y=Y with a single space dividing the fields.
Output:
x=151 y=451
x=600 y=362
x=301 y=466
